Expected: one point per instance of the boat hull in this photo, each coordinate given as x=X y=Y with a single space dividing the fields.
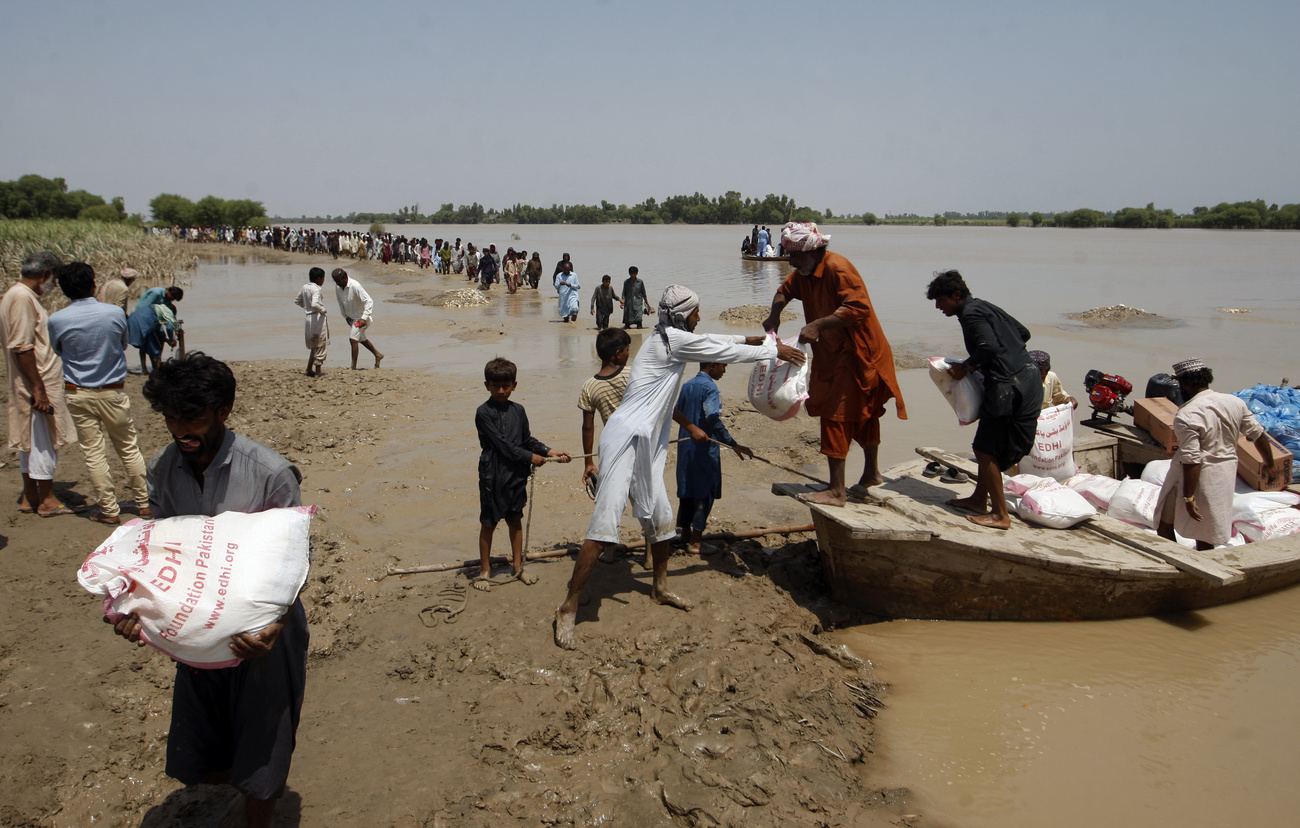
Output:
x=938 y=579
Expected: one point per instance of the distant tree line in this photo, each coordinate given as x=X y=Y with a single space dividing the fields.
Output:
x=178 y=211
x=37 y=197
x=730 y=208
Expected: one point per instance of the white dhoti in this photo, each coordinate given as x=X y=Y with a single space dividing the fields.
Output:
x=357 y=333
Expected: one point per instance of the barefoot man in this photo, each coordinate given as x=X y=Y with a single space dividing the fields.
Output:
x=1013 y=392
x=356 y=306
x=853 y=365
x=634 y=443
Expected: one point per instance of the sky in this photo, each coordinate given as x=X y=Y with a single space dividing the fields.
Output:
x=326 y=108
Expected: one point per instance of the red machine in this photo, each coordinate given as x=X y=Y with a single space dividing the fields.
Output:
x=1106 y=393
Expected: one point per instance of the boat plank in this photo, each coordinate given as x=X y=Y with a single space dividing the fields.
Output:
x=1188 y=560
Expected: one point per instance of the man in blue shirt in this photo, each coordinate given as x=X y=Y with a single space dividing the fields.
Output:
x=91 y=338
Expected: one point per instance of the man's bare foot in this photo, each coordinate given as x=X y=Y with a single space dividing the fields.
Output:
x=564 y=638
x=970 y=505
x=990 y=521
x=482 y=583
x=667 y=598
x=825 y=498
x=526 y=577
x=871 y=480
x=378 y=359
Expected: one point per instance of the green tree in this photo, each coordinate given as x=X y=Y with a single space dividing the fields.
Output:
x=208 y=211
x=100 y=212
x=172 y=209
x=1013 y=219
x=1036 y=219
x=870 y=219
x=241 y=212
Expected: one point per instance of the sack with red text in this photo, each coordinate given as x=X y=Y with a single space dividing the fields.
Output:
x=195 y=581
x=1052 y=454
x=778 y=388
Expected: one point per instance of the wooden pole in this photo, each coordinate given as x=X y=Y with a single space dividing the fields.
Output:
x=498 y=560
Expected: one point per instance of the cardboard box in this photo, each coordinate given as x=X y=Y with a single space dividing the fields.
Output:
x=1250 y=465
x=1155 y=416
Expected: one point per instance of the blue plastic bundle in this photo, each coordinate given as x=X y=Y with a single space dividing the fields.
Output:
x=1278 y=410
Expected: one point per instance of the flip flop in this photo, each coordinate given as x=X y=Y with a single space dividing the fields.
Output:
x=932 y=469
x=955 y=476
x=62 y=510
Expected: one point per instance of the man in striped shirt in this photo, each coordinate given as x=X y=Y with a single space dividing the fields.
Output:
x=91 y=338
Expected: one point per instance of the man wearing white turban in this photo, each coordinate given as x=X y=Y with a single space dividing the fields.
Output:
x=633 y=446
x=852 y=373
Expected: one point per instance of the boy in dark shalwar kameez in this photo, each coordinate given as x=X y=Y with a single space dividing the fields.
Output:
x=699 y=466
x=602 y=303
x=509 y=452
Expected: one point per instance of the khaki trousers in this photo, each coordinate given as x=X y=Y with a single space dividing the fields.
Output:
x=103 y=416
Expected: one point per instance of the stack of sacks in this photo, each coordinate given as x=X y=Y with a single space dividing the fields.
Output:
x=1046 y=502
x=1263 y=516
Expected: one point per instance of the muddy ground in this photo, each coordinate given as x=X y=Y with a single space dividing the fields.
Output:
x=430 y=704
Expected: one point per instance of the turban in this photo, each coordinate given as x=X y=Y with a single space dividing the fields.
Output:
x=676 y=304
x=803 y=236
x=129 y=273
x=1041 y=359
x=1188 y=366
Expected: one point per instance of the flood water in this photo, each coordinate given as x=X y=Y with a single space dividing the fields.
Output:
x=1186 y=721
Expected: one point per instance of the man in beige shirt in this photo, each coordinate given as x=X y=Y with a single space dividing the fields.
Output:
x=118 y=291
x=39 y=422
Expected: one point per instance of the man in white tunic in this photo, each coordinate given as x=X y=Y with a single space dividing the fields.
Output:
x=1196 y=499
x=634 y=444
x=356 y=306
x=316 y=330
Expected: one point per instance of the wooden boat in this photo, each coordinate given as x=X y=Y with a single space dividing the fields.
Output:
x=750 y=258
x=905 y=554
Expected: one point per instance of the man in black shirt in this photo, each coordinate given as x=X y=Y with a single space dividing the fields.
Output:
x=1013 y=392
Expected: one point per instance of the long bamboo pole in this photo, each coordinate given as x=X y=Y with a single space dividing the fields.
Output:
x=498 y=560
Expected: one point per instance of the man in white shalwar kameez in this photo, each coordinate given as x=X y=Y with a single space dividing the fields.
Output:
x=1196 y=499
x=316 y=330
x=356 y=306
x=633 y=446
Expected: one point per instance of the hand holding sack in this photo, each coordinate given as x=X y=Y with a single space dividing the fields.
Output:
x=196 y=581
x=964 y=395
x=777 y=388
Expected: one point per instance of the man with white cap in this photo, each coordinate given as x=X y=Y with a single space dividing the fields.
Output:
x=116 y=291
x=633 y=447
x=852 y=373
x=1196 y=499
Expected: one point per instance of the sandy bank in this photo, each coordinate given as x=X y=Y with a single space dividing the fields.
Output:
x=725 y=715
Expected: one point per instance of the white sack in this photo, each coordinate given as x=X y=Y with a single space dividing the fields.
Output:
x=1097 y=489
x=1052 y=454
x=964 y=395
x=1272 y=524
x=778 y=388
x=1021 y=483
x=195 y=581
x=1251 y=507
x=1053 y=505
x=1135 y=502
x=1156 y=471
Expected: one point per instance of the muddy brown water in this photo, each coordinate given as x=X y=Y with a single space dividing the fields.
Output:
x=1139 y=722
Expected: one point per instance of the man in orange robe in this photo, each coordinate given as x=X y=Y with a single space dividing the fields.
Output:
x=853 y=366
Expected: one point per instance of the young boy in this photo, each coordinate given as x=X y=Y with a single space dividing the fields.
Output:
x=699 y=465
x=602 y=303
x=604 y=391
x=509 y=450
